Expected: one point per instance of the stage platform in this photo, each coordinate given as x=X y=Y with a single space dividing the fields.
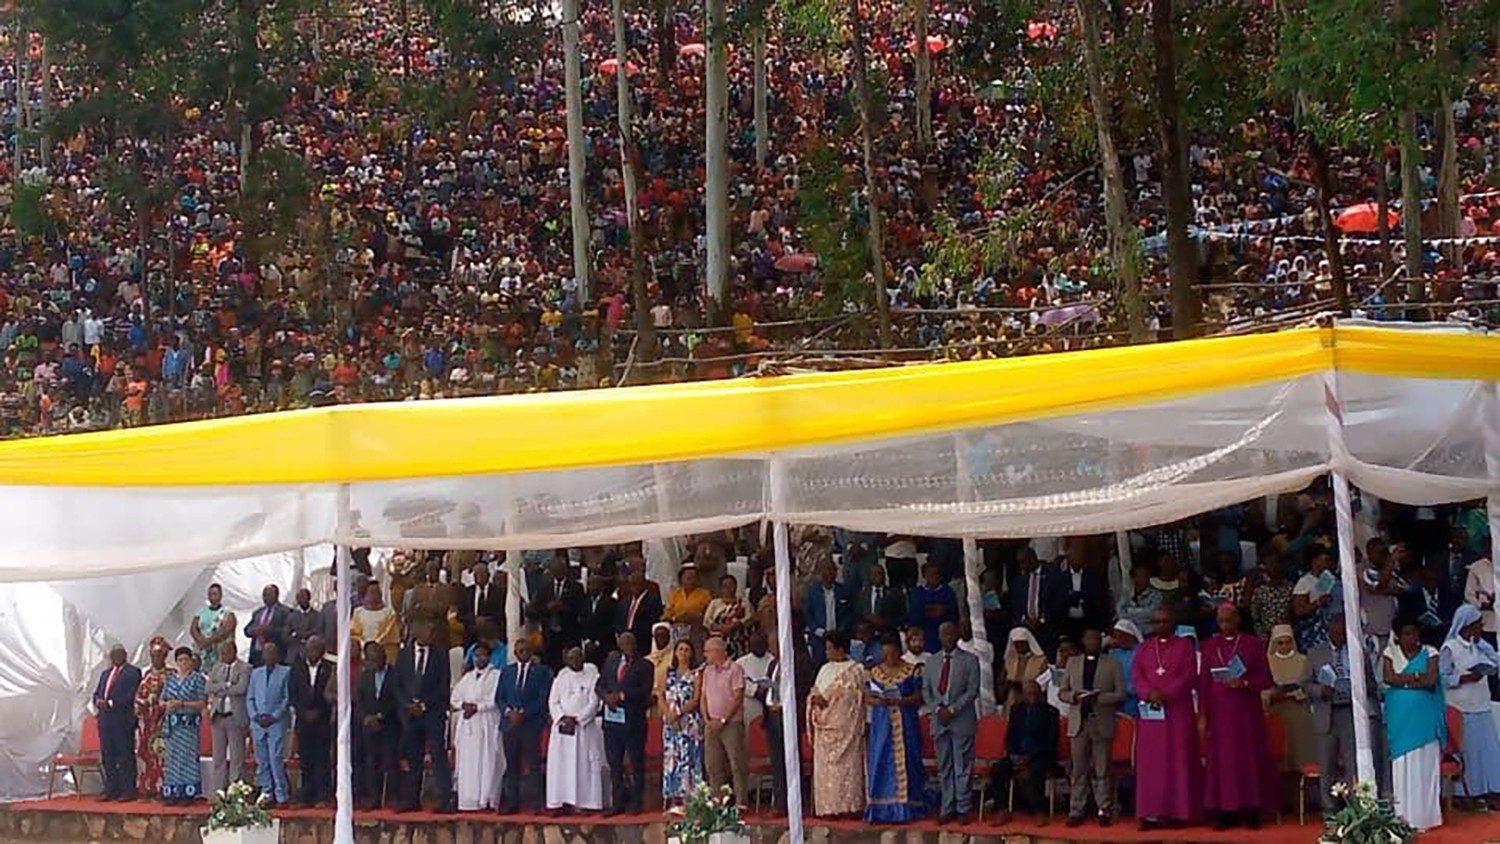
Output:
x=74 y=820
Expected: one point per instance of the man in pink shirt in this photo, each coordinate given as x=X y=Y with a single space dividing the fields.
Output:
x=723 y=713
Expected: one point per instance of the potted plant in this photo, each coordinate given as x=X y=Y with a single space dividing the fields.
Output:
x=237 y=819
x=1365 y=819
x=708 y=817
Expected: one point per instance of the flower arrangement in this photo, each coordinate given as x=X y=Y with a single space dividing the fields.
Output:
x=1365 y=819
x=706 y=813
x=233 y=809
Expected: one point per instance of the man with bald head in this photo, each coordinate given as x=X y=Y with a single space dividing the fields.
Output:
x=950 y=688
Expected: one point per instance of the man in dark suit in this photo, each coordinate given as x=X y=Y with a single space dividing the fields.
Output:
x=1085 y=597
x=829 y=606
x=637 y=608
x=557 y=607
x=598 y=620
x=1037 y=599
x=625 y=685
x=1031 y=748
x=114 y=700
x=522 y=698
x=380 y=725
x=422 y=687
x=1430 y=602
x=268 y=623
x=311 y=674
x=880 y=604
x=482 y=600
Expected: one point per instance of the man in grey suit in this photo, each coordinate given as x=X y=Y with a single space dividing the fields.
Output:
x=227 y=683
x=1333 y=714
x=950 y=687
x=1093 y=686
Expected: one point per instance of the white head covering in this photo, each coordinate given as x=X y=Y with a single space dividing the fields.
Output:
x=660 y=625
x=1021 y=634
x=1129 y=627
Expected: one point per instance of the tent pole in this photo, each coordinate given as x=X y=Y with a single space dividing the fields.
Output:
x=1492 y=467
x=343 y=824
x=1349 y=575
x=791 y=745
x=973 y=589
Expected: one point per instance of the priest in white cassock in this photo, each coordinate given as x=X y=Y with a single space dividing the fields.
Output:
x=478 y=754
x=575 y=754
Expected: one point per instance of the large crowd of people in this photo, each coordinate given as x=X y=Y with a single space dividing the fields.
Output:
x=436 y=262
x=1222 y=653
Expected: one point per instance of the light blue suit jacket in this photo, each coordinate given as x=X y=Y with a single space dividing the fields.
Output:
x=270 y=694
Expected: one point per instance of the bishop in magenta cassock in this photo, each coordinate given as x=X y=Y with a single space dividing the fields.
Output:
x=1167 y=765
x=1242 y=779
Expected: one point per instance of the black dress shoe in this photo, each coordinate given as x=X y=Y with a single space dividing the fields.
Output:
x=1148 y=824
x=1075 y=820
x=1252 y=820
x=1105 y=819
x=613 y=811
x=406 y=808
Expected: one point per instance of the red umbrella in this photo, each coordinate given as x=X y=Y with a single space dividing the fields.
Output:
x=1364 y=218
x=795 y=263
x=695 y=49
x=611 y=65
x=1038 y=30
x=935 y=44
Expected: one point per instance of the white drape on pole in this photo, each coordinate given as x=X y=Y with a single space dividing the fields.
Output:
x=343 y=823
x=1349 y=573
x=1492 y=466
x=973 y=589
x=791 y=745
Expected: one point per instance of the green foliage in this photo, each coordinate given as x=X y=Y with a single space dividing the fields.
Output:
x=495 y=36
x=29 y=212
x=817 y=24
x=1365 y=819
x=708 y=811
x=233 y=809
x=830 y=229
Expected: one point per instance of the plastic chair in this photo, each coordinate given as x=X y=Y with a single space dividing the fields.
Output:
x=655 y=749
x=86 y=758
x=1452 y=766
x=929 y=747
x=758 y=748
x=1310 y=771
x=1122 y=750
x=989 y=748
x=1276 y=737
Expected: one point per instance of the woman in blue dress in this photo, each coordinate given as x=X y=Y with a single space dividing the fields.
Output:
x=682 y=726
x=896 y=788
x=1416 y=726
x=183 y=698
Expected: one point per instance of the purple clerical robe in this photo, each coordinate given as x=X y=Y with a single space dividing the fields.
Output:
x=1241 y=773
x=1166 y=757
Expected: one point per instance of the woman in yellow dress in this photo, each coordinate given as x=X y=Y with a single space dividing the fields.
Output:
x=375 y=622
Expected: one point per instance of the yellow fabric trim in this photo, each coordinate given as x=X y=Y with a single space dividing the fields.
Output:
x=595 y=428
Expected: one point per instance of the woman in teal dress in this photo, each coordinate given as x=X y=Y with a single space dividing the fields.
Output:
x=183 y=699
x=212 y=626
x=1416 y=726
x=895 y=747
x=682 y=727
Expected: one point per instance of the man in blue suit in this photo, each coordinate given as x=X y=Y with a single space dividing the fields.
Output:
x=114 y=700
x=422 y=689
x=829 y=606
x=269 y=705
x=522 y=700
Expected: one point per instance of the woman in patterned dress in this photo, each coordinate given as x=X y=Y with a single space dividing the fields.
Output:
x=182 y=700
x=682 y=726
x=212 y=626
x=149 y=714
x=836 y=719
x=728 y=616
x=895 y=755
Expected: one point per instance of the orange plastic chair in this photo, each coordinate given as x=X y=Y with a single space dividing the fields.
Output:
x=989 y=748
x=758 y=748
x=1122 y=749
x=86 y=758
x=1310 y=771
x=929 y=747
x=1276 y=737
x=1452 y=766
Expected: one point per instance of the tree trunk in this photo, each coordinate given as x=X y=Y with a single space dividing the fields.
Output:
x=666 y=45
x=762 y=119
x=716 y=137
x=1383 y=208
x=1411 y=207
x=1182 y=253
x=645 y=329
x=44 y=145
x=924 y=80
x=1121 y=230
x=19 y=164
x=577 y=201
x=1323 y=197
x=867 y=144
x=1448 y=209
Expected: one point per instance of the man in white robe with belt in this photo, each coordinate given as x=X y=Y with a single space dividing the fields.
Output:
x=575 y=753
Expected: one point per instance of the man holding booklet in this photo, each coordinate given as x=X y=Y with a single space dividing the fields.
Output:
x=1241 y=780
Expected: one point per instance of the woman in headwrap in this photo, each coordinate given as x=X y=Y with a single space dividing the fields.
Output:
x=1466 y=660
x=661 y=659
x=1286 y=700
x=1024 y=662
x=150 y=746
